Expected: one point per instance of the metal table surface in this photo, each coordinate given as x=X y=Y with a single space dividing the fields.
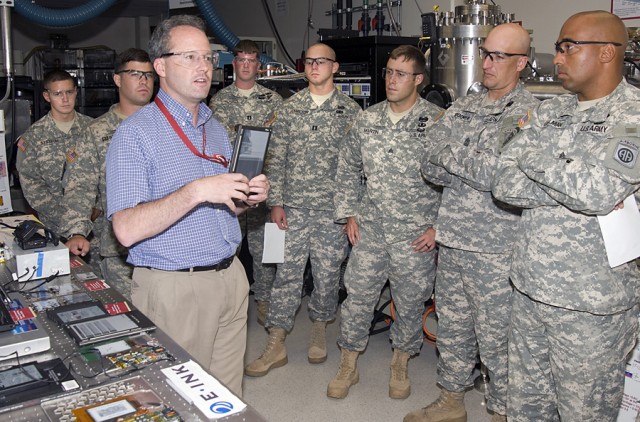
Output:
x=64 y=347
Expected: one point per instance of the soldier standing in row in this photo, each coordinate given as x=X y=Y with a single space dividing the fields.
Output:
x=48 y=150
x=246 y=102
x=391 y=227
x=133 y=75
x=307 y=135
x=574 y=318
x=476 y=233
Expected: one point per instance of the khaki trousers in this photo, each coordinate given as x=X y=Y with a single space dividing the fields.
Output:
x=204 y=312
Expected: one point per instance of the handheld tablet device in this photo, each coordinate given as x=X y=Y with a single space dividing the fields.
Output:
x=250 y=150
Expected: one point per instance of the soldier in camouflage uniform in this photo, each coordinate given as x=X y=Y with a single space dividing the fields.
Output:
x=133 y=75
x=390 y=228
x=475 y=233
x=248 y=103
x=48 y=150
x=574 y=319
x=308 y=132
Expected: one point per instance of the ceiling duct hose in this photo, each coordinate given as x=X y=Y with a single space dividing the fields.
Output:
x=220 y=30
x=60 y=18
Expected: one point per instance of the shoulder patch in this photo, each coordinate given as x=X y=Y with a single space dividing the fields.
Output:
x=21 y=144
x=622 y=155
x=270 y=119
x=524 y=119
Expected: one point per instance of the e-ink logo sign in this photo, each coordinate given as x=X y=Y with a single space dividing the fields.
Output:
x=221 y=407
x=626 y=153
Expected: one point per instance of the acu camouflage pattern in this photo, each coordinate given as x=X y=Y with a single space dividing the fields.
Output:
x=556 y=169
x=473 y=301
x=476 y=234
x=313 y=235
x=467 y=143
x=569 y=303
x=86 y=181
x=586 y=353
x=397 y=206
x=231 y=108
x=301 y=168
x=396 y=197
x=258 y=109
x=45 y=157
x=303 y=153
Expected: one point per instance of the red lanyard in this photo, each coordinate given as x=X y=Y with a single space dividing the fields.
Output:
x=216 y=158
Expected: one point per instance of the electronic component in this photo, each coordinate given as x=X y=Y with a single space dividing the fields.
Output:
x=33 y=380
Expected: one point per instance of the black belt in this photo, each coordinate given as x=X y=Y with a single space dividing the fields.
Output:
x=222 y=265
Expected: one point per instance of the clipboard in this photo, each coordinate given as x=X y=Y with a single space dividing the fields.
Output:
x=250 y=150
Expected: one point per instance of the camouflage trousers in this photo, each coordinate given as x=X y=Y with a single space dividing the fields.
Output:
x=252 y=225
x=567 y=365
x=311 y=234
x=93 y=258
x=473 y=303
x=118 y=272
x=372 y=262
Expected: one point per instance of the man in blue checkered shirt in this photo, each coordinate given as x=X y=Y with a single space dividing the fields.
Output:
x=174 y=204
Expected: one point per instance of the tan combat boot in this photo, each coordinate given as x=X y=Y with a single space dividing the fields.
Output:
x=449 y=407
x=318 y=342
x=399 y=385
x=274 y=355
x=347 y=375
x=262 y=308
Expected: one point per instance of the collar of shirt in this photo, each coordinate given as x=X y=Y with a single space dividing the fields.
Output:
x=180 y=112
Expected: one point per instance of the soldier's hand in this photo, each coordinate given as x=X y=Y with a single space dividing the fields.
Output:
x=279 y=216
x=426 y=242
x=352 y=230
x=78 y=245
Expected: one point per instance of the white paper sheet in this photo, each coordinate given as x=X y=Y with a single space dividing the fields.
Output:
x=273 y=252
x=621 y=233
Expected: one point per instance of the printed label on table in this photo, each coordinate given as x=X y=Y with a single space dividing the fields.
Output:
x=117 y=308
x=21 y=314
x=96 y=285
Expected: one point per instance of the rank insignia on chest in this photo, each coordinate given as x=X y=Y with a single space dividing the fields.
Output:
x=314 y=127
x=249 y=118
x=72 y=155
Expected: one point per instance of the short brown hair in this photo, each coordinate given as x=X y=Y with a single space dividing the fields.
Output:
x=247 y=47
x=410 y=53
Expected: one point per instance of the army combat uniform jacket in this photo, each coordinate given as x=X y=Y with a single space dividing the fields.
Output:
x=396 y=196
x=230 y=108
x=47 y=154
x=87 y=180
x=468 y=140
x=566 y=167
x=303 y=154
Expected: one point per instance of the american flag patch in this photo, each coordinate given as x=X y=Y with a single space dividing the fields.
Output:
x=71 y=156
x=524 y=119
x=21 y=144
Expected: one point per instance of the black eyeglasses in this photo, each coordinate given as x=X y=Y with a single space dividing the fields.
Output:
x=568 y=46
x=309 y=61
x=498 y=56
x=139 y=74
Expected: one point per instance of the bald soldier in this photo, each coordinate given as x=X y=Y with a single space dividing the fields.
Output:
x=476 y=233
x=574 y=318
